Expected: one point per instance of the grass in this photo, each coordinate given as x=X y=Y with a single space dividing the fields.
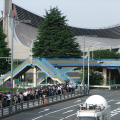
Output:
x=8 y=89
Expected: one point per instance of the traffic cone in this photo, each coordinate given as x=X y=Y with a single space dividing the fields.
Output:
x=45 y=101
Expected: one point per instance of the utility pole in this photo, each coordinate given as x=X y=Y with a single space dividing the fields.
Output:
x=83 y=64
x=11 y=15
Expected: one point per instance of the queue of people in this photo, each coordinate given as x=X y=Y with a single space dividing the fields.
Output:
x=35 y=93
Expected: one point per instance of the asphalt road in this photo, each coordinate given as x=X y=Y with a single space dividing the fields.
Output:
x=67 y=110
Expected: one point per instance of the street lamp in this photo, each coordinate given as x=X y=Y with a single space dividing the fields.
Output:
x=89 y=61
x=12 y=29
x=88 y=68
x=12 y=22
x=83 y=63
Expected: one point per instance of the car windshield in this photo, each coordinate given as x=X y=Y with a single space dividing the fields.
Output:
x=86 y=118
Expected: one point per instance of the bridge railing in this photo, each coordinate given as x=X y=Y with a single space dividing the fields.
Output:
x=7 y=111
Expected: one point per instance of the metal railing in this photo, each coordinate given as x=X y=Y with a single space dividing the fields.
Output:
x=7 y=111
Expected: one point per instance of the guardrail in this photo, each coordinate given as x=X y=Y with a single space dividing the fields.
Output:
x=7 y=111
x=107 y=86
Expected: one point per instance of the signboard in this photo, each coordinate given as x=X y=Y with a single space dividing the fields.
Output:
x=16 y=80
x=9 y=84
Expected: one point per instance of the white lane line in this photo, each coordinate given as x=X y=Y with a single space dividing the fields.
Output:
x=68 y=116
x=117 y=103
x=67 y=111
x=113 y=100
x=115 y=112
x=110 y=101
x=43 y=110
x=54 y=112
x=77 y=101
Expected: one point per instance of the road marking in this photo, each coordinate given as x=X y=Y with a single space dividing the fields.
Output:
x=117 y=103
x=54 y=112
x=43 y=110
x=110 y=101
x=68 y=116
x=68 y=111
x=115 y=112
x=113 y=100
x=77 y=101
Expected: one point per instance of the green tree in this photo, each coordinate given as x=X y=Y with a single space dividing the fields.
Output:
x=107 y=54
x=95 y=78
x=55 y=38
x=4 y=52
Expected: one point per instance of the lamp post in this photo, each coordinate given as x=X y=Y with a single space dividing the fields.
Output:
x=12 y=22
x=88 y=68
x=83 y=64
x=12 y=29
x=89 y=62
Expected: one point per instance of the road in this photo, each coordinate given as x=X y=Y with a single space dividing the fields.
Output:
x=67 y=110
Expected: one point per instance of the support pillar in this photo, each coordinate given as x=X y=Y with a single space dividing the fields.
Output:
x=6 y=10
x=13 y=83
x=109 y=76
x=104 y=76
x=35 y=77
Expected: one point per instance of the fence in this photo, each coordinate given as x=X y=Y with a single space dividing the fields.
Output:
x=7 y=111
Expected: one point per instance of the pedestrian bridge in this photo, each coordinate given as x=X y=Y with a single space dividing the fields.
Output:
x=48 y=66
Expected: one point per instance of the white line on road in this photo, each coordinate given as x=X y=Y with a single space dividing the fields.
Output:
x=54 y=112
x=117 y=103
x=68 y=116
x=115 y=112
x=77 y=101
x=43 y=110
x=110 y=101
x=68 y=111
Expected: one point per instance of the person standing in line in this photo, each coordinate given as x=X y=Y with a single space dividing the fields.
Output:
x=4 y=100
x=15 y=99
x=25 y=95
x=59 y=90
x=1 y=99
x=52 y=90
x=17 y=92
x=9 y=99
x=56 y=90
x=20 y=97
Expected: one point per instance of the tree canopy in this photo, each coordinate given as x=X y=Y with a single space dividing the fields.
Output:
x=95 y=78
x=107 y=54
x=4 y=52
x=55 y=38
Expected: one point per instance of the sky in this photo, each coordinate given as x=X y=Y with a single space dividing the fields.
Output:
x=91 y=14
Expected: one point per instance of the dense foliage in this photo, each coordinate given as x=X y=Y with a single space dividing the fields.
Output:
x=55 y=38
x=4 y=52
x=107 y=54
x=95 y=78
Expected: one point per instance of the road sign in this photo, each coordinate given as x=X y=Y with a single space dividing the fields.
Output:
x=9 y=84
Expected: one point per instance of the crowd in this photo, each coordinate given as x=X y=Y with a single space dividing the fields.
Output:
x=35 y=93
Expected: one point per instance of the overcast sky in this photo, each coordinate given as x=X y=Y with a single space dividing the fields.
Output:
x=80 y=13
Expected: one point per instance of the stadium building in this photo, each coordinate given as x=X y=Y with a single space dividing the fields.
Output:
x=98 y=21
x=95 y=23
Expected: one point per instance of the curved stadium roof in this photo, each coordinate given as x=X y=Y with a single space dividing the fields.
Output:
x=98 y=18
x=108 y=32
x=90 y=14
